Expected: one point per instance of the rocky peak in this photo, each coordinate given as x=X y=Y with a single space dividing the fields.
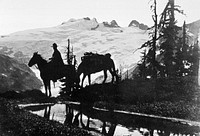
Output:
x=86 y=18
x=135 y=23
x=113 y=23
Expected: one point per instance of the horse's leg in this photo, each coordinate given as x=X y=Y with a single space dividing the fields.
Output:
x=83 y=79
x=112 y=73
x=45 y=87
x=89 y=79
x=105 y=76
x=49 y=85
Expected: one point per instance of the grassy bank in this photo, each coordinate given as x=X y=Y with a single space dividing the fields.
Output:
x=180 y=109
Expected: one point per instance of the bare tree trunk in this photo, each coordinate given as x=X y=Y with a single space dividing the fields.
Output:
x=68 y=53
x=172 y=18
x=154 y=40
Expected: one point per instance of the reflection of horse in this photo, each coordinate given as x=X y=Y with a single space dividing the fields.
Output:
x=97 y=63
x=67 y=71
x=69 y=115
x=47 y=112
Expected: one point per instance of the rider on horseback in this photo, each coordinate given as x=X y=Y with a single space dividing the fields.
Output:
x=56 y=62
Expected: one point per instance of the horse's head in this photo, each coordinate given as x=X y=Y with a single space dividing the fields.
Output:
x=34 y=59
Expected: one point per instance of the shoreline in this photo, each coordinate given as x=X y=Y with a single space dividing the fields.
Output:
x=130 y=112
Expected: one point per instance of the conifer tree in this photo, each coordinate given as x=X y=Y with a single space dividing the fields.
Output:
x=71 y=58
x=169 y=43
x=195 y=61
x=169 y=46
x=183 y=55
x=151 y=45
x=142 y=65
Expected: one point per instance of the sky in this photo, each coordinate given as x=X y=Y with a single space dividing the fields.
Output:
x=19 y=15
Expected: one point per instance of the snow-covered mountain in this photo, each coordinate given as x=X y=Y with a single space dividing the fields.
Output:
x=85 y=35
x=137 y=24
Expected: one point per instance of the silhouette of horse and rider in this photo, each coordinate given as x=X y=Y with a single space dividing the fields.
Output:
x=56 y=69
x=53 y=70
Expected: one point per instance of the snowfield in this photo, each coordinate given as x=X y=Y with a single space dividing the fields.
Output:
x=86 y=35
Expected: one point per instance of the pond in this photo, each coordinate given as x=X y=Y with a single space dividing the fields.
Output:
x=117 y=123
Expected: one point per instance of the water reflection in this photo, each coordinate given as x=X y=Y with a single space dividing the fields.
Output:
x=47 y=111
x=76 y=117
x=111 y=123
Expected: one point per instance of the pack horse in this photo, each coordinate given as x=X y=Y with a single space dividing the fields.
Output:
x=92 y=63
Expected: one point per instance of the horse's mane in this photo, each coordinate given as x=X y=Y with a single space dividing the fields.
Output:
x=44 y=60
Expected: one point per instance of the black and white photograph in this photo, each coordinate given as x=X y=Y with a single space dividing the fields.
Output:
x=99 y=68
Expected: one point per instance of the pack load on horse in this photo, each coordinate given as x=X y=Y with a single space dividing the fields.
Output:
x=53 y=70
x=93 y=59
x=93 y=62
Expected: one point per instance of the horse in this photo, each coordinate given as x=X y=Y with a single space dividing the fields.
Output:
x=46 y=74
x=97 y=64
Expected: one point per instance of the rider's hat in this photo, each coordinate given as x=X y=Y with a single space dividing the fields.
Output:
x=54 y=45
